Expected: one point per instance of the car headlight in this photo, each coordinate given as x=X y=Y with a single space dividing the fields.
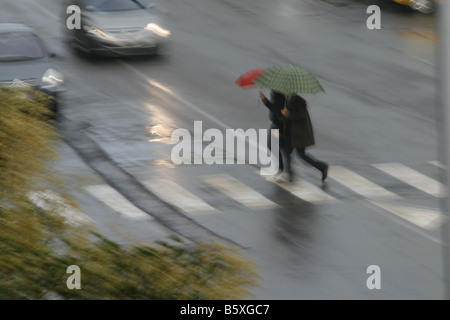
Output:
x=52 y=77
x=97 y=33
x=158 y=30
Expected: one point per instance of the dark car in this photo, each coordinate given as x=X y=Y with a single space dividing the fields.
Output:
x=25 y=62
x=118 y=28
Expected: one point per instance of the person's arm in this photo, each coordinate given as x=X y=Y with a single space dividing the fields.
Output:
x=264 y=99
x=271 y=106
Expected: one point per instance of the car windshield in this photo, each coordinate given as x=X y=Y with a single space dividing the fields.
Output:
x=114 y=5
x=16 y=46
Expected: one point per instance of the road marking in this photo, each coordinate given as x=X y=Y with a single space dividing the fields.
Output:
x=239 y=192
x=52 y=202
x=305 y=191
x=359 y=184
x=438 y=164
x=173 y=193
x=112 y=198
x=423 y=217
x=413 y=178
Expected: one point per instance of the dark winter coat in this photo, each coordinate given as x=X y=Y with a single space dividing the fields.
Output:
x=275 y=104
x=299 y=127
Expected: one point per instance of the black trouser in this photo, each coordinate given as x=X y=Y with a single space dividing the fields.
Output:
x=269 y=145
x=286 y=152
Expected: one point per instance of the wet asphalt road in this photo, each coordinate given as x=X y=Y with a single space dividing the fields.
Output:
x=379 y=108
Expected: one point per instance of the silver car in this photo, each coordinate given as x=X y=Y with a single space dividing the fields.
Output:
x=118 y=27
x=26 y=63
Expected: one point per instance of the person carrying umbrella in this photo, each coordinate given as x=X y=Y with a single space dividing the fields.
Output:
x=292 y=119
x=299 y=135
x=297 y=131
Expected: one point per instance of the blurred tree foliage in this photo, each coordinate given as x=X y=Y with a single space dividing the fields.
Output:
x=37 y=246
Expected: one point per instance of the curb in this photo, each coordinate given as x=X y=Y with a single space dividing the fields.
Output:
x=166 y=214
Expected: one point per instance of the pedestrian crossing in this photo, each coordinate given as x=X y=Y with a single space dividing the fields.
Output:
x=307 y=191
x=348 y=182
x=112 y=198
x=413 y=178
x=239 y=191
x=53 y=202
x=425 y=218
x=359 y=184
x=178 y=196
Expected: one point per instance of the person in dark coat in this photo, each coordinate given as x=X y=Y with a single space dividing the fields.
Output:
x=299 y=135
x=275 y=104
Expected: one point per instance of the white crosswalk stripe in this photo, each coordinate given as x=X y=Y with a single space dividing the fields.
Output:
x=54 y=202
x=117 y=202
x=305 y=191
x=438 y=164
x=423 y=217
x=173 y=193
x=239 y=191
x=359 y=184
x=413 y=178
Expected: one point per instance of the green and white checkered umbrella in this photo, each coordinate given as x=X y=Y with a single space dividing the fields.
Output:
x=289 y=79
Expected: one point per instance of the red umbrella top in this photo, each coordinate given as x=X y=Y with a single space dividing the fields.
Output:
x=245 y=80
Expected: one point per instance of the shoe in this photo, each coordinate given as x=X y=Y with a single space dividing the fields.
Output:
x=324 y=173
x=274 y=177
x=283 y=178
